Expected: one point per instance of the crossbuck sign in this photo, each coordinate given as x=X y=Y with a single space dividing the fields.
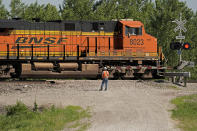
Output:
x=180 y=27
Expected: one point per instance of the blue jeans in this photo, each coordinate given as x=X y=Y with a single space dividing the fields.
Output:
x=105 y=81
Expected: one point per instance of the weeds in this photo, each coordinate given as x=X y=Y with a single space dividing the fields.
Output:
x=21 y=118
x=35 y=107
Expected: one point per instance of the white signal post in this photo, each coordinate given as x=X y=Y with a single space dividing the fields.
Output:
x=180 y=28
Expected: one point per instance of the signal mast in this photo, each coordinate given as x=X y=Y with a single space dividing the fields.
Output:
x=180 y=37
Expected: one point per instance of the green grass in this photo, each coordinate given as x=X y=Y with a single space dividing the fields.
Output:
x=20 y=118
x=186 y=112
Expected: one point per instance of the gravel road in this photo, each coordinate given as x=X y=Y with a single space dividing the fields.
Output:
x=129 y=105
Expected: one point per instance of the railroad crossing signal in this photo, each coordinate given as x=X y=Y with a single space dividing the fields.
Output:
x=180 y=24
x=180 y=27
x=180 y=37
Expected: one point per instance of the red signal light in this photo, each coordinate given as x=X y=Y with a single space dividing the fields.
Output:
x=186 y=46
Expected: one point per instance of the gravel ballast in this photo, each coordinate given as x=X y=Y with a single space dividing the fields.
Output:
x=129 y=105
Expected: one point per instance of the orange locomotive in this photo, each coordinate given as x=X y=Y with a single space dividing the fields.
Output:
x=78 y=49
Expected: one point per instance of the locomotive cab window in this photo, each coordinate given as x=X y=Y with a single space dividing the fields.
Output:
x=133 y=30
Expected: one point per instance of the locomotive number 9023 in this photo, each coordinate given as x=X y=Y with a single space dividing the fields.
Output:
x=137 y=41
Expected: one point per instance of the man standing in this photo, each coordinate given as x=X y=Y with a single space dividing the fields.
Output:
x=105 y=76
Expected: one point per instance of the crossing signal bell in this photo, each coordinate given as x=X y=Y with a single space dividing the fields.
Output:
x=178 y=46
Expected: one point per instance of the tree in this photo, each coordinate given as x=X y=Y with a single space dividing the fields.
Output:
x=34 y=10
x=121 y=9
x=109 y=9
x=77 y=9
x=104 y=10
x=3 y=12
x=146 y=10
x=50 y=13
x=43 y=12
x=17 y=9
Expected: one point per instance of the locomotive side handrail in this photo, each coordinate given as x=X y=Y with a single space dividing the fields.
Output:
x=70 y=50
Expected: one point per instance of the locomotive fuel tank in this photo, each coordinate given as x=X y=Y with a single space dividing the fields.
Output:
x=68 y=66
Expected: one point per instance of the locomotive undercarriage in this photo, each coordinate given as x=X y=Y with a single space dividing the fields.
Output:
x=80 y=69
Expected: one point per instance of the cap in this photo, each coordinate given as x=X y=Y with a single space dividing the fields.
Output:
x=105 y=68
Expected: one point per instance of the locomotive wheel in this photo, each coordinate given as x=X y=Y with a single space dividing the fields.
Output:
x=137 y=75
x=122 y=76
x=116 y=76
x=147 y=75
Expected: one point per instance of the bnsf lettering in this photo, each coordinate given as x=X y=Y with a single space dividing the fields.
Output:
x=137 y=42
x=61 y=40
x=31 y=40
x=21 y=40
x=50 y=40
x=35 y=40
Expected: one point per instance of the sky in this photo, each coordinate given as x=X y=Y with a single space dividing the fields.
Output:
x=191 y=3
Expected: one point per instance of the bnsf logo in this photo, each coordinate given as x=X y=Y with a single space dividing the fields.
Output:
x=47 y=40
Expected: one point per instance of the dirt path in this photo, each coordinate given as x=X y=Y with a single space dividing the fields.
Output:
x=126 y=106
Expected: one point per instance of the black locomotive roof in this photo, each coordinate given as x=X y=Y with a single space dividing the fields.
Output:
x=85 y=26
